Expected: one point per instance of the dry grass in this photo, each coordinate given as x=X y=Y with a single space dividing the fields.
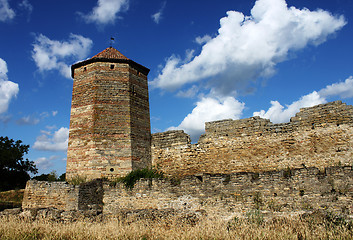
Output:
x=12 y=195
x=16 y=228
x=10 y=199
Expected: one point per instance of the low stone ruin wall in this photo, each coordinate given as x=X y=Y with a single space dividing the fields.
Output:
x=41 y=194
x=64 y=196
x=273 y=193
x=280 y=193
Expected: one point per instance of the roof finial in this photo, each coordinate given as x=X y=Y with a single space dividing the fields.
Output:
x=111 y=41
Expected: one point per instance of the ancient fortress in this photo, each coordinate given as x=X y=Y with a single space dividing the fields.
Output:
x=236 y=166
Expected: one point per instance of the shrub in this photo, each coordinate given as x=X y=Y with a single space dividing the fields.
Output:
x=77 y=180
x=135 y=175
x=257 y=200
x=255 y=217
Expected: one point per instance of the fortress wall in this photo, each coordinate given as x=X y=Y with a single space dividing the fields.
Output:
x=319 y=136
x=41 y=194
x=278 y=193
x=237 y=166
x=170 y=139
x=63 y=196
x=282 y=193
x=237 y=128
x=335 y=113
x=90 y=196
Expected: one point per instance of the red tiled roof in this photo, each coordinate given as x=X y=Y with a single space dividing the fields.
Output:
x=110 y=53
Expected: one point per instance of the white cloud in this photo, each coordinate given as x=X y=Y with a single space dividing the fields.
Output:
x=106 y=11
x=342 y=89
x=189 y=93
x=209 y=109
x=202 y=40
x=45 y=163
x=246 y=48
x=34 y=119
x=189 y=55
x=54 y=55
x=26 y=6
x=249 y=47
x=3 y=70
x=28 y=120
x=46 y=132
x=213 y=108
x=57 y=141
x=5 y=118
x=51 y=127
x=8 y=89
x=44 y=115
x=280 y=114
x=158 y=15
x=6 y=13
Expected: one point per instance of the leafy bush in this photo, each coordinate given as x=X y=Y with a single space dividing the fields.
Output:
x=135 y=175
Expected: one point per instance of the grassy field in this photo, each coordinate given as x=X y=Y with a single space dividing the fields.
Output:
x=310 y=228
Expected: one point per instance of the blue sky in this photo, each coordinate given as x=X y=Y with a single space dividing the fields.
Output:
x=209 y=61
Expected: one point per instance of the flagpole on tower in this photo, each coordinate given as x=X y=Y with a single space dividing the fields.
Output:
x=111 y=41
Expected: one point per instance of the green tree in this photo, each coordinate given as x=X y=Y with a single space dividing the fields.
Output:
x=14 y=169
x=62 y=177
x=51 y=177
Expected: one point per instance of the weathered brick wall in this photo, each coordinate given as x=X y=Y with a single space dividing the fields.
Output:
x=319 y=136
x=96 y=122
x=110 y=120
x=140 y=120
x=63 y=196
x=285 y=192
x=170 y=139
x=90 y=195
x=333 y=113
x=41 y=194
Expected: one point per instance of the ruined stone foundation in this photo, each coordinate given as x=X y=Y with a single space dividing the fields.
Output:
x=278 y=193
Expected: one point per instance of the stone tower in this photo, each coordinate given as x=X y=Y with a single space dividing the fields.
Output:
x=110 y=120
